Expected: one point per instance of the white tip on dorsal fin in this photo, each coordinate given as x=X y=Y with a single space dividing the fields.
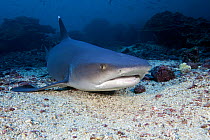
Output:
x=63 y=31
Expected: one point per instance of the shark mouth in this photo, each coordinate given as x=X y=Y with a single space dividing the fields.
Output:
x=125 y=77
x=119 y=82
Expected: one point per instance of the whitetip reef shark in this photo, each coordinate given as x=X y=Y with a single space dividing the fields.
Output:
x=90 y=68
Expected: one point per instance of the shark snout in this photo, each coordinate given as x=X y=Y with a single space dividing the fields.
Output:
x=125 y=77
x=134 y=71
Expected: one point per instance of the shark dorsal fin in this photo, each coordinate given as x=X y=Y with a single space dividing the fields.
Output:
x=63 y=31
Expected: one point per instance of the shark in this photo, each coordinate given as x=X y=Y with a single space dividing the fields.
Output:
x=87 y=67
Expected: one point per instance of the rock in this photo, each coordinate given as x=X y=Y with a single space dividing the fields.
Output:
x=126 y=50
x=207 y=60
x=162 y=73
x=191 y=55
x=206 y=63
x=23 y=33
x=141 y=50
x=193 y=65
x=97 y=137
x=139 y=89
x=1 y=74
x=173 y=57
x=148 y=77
x=178 y=31
x=207 y=105
x=158 y=96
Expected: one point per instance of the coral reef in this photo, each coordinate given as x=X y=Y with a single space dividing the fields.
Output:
x=179 y=31
x=32 y=58
x=190 y=55
x=162 y=73
x=206 y=63
x=149 y=51
x=184 y=68
x=23 y=33
x=193 y=65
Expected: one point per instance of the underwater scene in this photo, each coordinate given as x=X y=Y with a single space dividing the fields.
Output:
x=105 y=70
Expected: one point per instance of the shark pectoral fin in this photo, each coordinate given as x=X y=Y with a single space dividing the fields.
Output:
x=29 y=88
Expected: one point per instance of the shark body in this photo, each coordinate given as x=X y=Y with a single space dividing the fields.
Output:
x=90 y=68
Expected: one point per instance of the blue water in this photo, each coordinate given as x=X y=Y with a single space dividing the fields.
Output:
x=106 y=23
x=77 y=13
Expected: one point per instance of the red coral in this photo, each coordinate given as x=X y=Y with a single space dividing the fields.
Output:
x=162 y=73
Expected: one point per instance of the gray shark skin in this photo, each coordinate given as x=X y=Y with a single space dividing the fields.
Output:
x=90 y=68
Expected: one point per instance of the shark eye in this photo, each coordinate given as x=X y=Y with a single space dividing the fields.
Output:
x=103 y=66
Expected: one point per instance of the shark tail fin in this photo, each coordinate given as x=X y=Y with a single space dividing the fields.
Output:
x=63 y=31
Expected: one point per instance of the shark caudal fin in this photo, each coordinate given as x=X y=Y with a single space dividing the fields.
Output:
x=63 y=31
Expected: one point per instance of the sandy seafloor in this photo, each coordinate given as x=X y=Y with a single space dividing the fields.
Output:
x=166 y=111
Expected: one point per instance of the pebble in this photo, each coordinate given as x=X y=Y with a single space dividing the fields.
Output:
x=205 y=125
x=46 y=99
x=206 y=105
x=42 y=111
x=29 y=121
x=158 y=96
x=139 y=89
x=9 y=109
x=97 y=137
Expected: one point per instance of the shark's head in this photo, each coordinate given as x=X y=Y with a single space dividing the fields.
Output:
x=107 y=76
